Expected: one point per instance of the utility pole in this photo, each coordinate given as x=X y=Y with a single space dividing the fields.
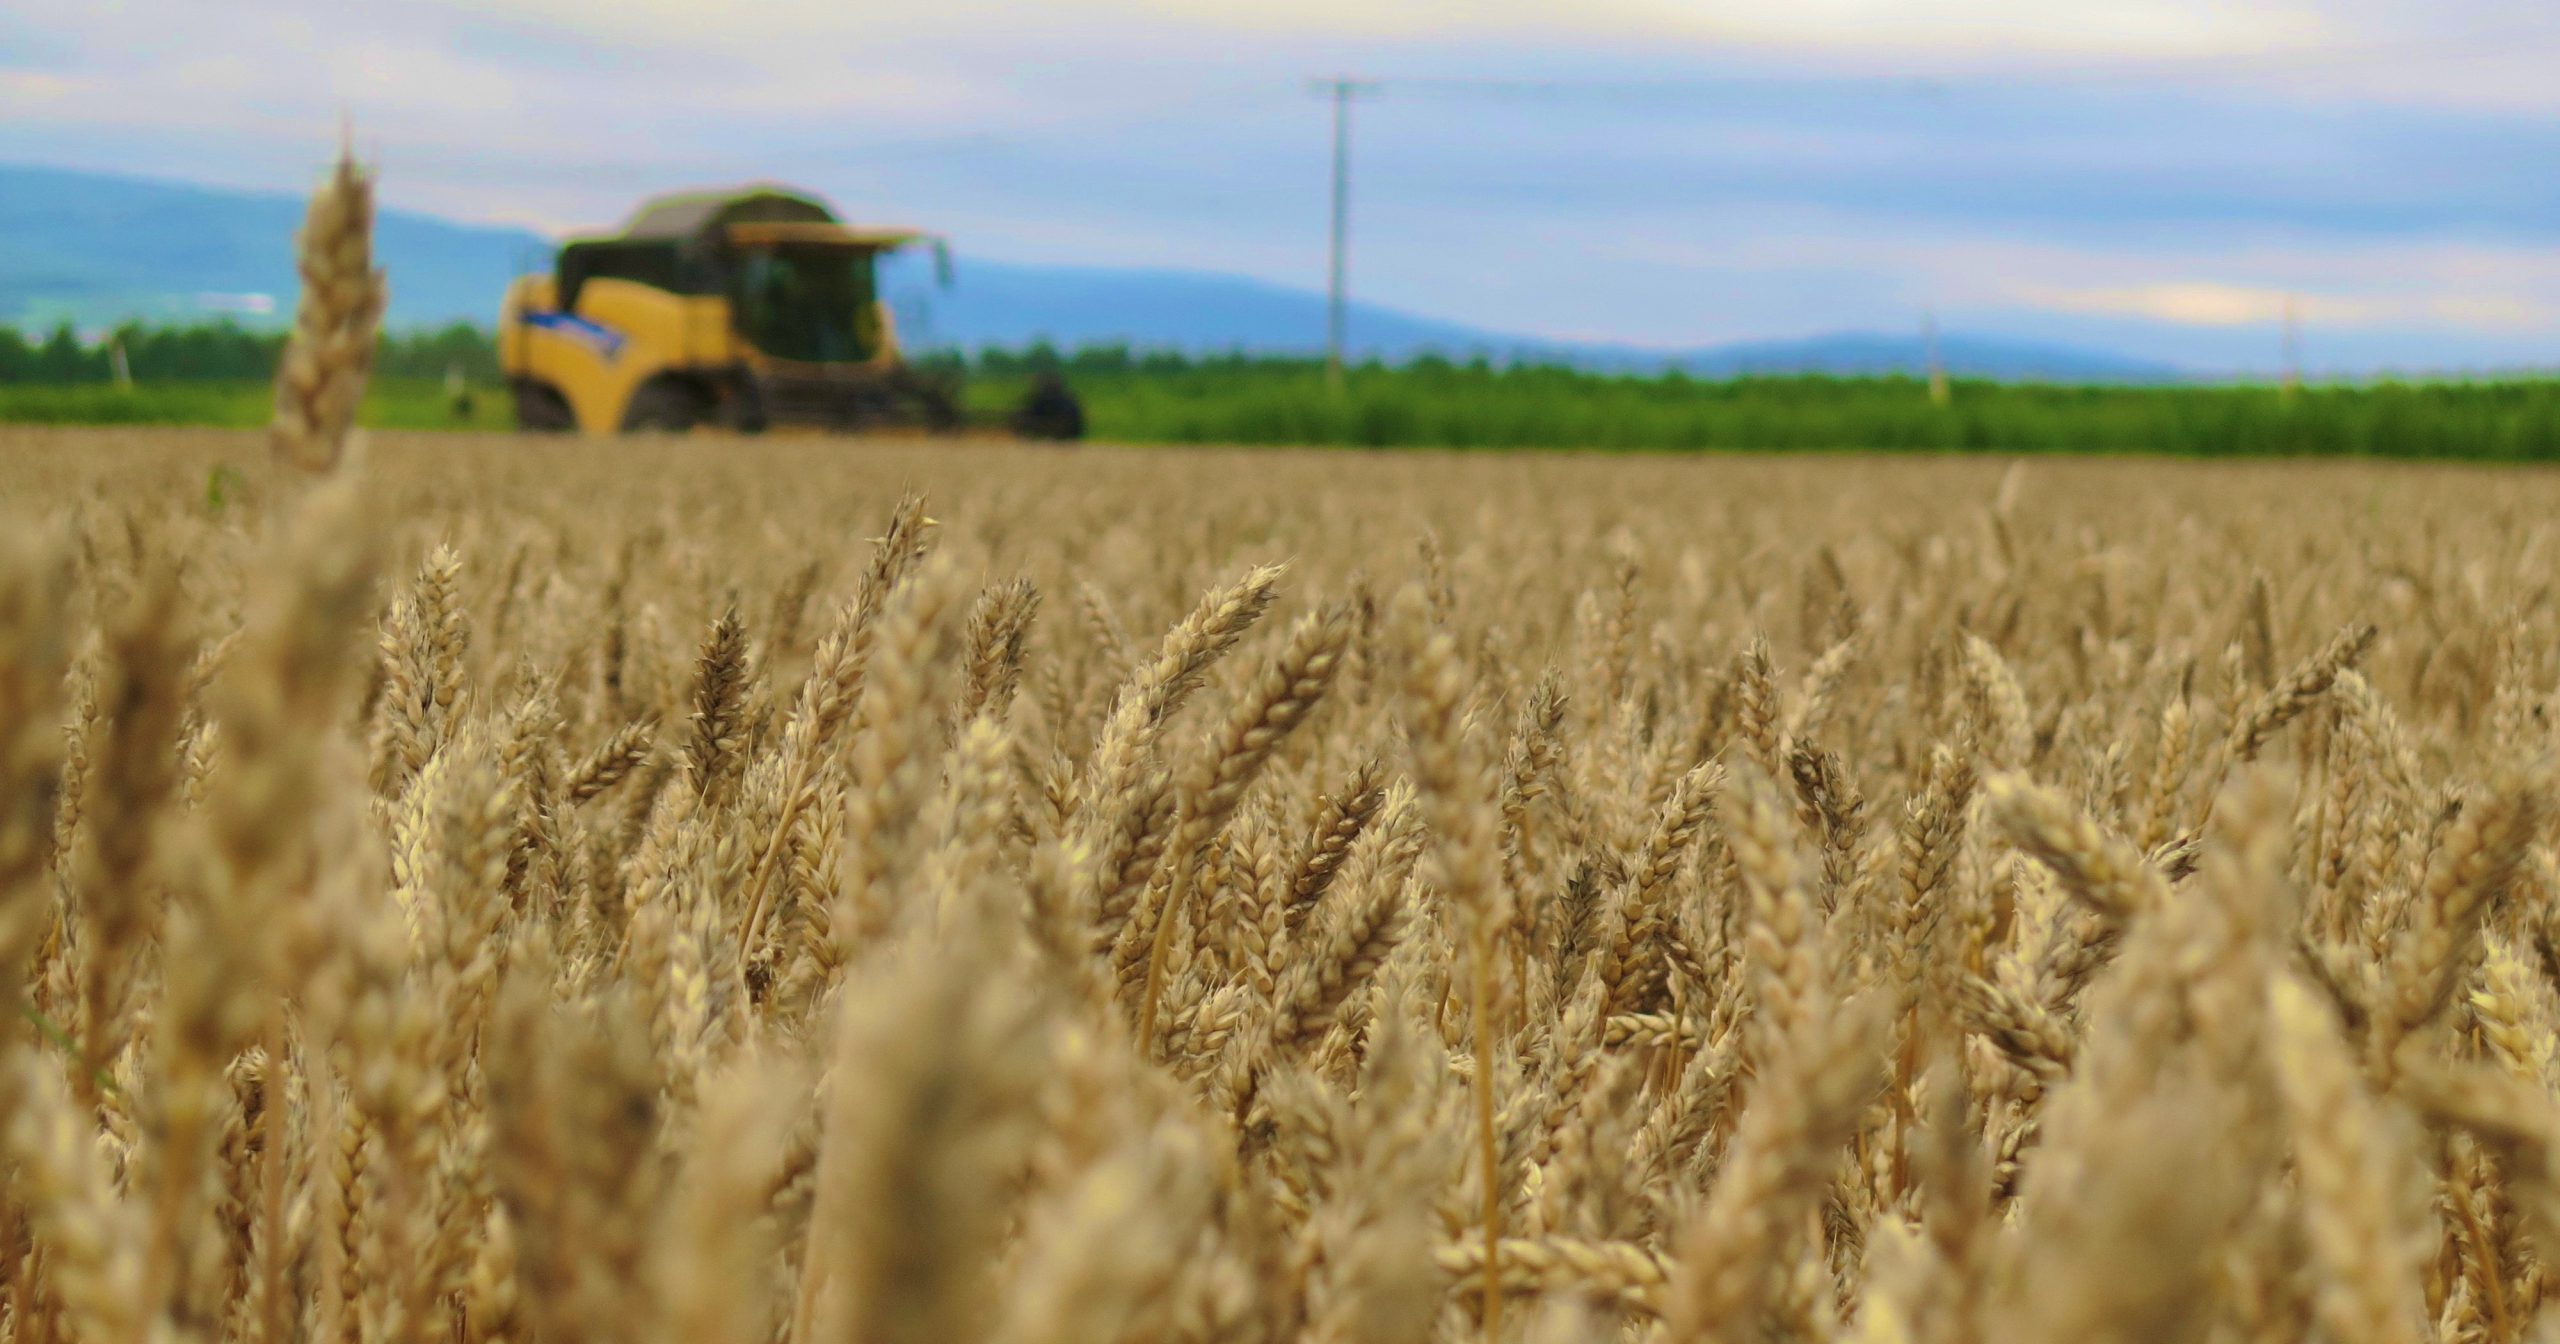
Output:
x=2292 y=348
x=1341 y=90
x=1939 y=394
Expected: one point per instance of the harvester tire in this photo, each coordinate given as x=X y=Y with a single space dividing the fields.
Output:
x=665 y=406
x=940 y=411
x=540 y=409
x=1050 y=412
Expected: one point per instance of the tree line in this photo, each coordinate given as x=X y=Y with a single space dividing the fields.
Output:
x=225 y=352
x=230 y=352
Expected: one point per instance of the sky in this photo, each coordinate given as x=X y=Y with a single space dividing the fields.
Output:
x=2161 y=178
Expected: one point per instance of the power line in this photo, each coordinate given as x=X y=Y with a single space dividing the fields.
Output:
x=2276 y=60
x=2220 y=65
x=1341 y=90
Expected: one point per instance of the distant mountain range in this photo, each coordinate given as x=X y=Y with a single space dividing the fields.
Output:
x=93 y=249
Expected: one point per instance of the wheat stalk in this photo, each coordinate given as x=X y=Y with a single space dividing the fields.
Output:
x=321 y=379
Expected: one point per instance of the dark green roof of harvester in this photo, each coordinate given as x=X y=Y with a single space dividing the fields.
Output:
x=693 y=214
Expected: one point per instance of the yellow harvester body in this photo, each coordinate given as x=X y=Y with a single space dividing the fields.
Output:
x=743 y=309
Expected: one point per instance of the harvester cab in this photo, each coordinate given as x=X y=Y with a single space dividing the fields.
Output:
x=744 y=309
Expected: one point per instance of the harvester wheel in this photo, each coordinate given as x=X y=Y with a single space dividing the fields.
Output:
x=665 y=406
x=940 y=410
x=1049 y=411
x=742 y=411
x=540 y=409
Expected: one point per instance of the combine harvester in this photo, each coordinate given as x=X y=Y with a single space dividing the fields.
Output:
x=744 y=310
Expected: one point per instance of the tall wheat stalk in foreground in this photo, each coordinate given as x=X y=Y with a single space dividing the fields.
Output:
x=513 y=892
x=321 y=378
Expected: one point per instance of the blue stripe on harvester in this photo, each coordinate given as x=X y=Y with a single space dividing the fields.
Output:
x=604 y=340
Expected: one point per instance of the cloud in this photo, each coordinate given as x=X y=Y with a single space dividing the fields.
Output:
x=25 y=89
x=2413 y=285
x=2453 y=53
x=2199 y=303
x=2204 y=303
x=2231 y=280
x=2012 y=32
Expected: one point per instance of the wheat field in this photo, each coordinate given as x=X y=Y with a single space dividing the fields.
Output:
x=779 y=891
x=513 y=891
